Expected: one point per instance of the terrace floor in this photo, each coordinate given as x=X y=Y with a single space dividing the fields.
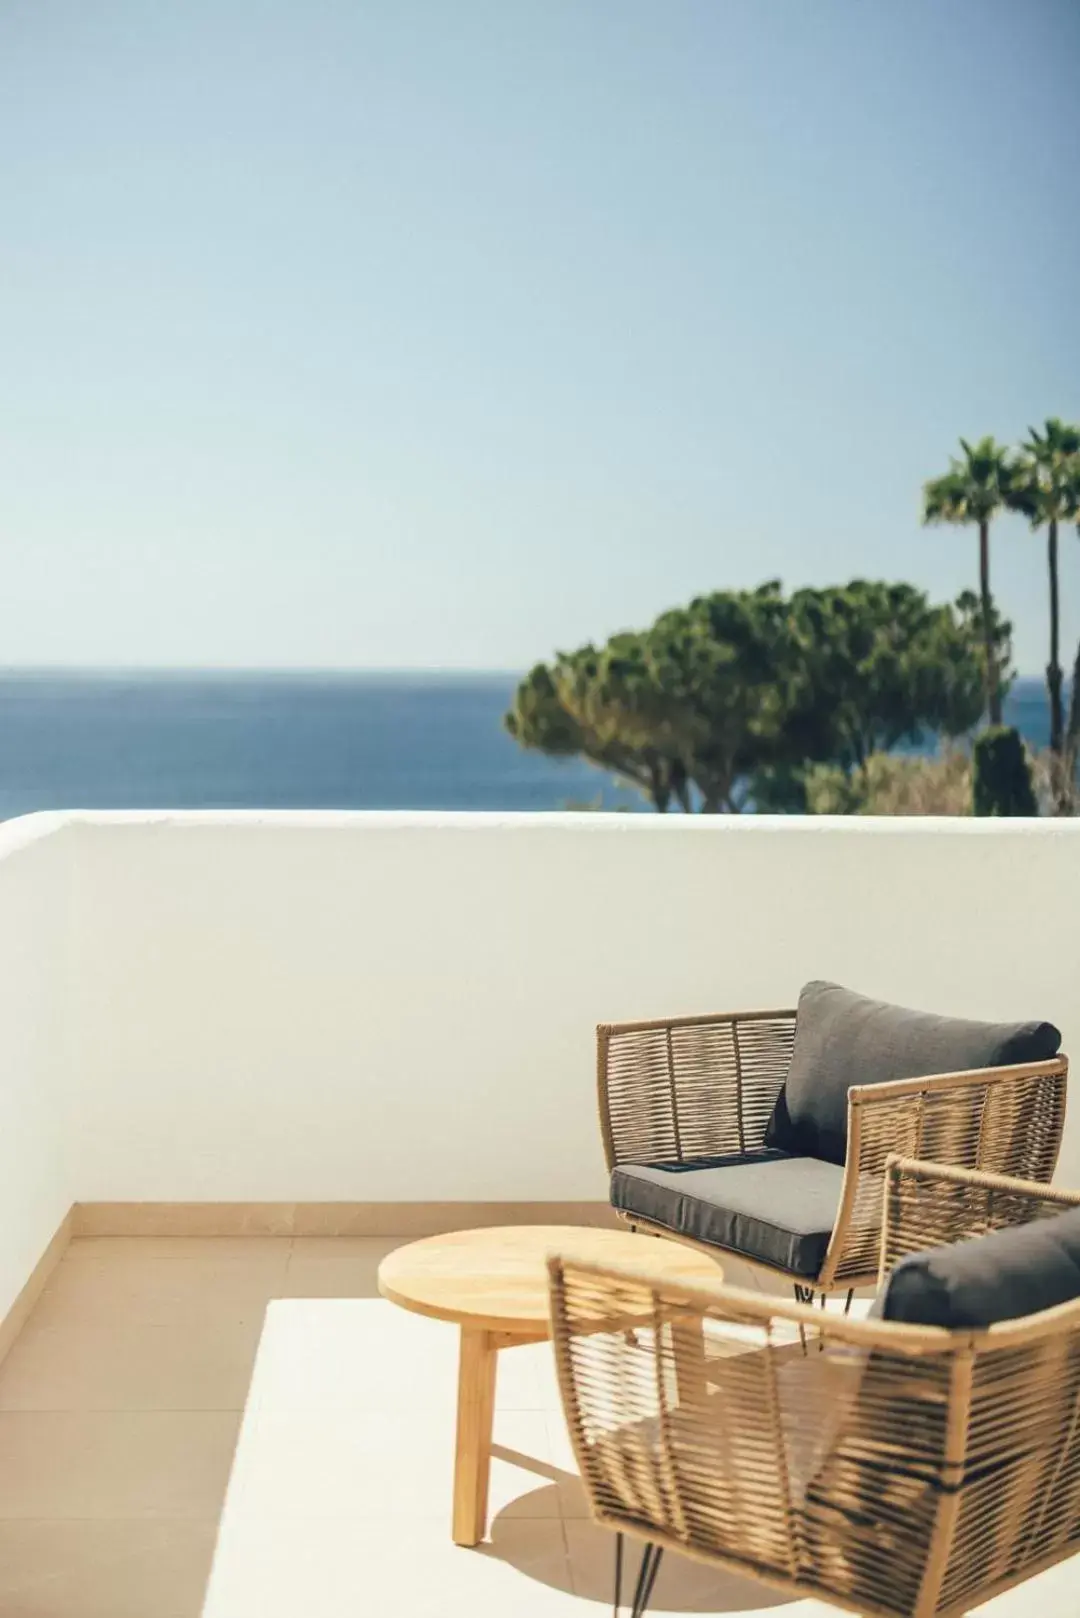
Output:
x=172 y=1395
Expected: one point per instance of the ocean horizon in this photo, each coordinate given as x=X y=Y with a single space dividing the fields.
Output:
x=298 y=739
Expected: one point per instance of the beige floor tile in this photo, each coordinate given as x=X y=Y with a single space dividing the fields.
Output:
x=327 y=1568
x=336 y=1266
x=353 y=1408
x=350 y=1354
x=682 y=1585
x=109 y=1569
x=200 y=1364
x=138 y=1289
x=340 y=1494
x=323 y=1568
x=523 y=1481
x=573 y=1504
x=367 y=1354
x=94 y=1465
x=393 y=1464
x=312 y=1464
x=526 y=1377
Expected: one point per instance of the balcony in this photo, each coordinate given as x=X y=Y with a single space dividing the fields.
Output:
x=245 y=1055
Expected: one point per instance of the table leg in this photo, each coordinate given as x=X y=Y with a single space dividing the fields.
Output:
x=691 y=1364
x=475 y=1414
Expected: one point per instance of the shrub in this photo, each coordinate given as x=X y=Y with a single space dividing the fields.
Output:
x=1055 y=793
x=1002 y=781
x=889 y=784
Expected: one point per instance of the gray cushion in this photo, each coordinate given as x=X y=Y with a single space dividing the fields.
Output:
x=844 y=1039
x=767 y=1205
x=971 y=1284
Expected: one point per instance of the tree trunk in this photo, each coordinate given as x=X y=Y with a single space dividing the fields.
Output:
x=680 y=786
x=993 y=692
x=714 y=794
x=1053 y=668
x=1072 y=742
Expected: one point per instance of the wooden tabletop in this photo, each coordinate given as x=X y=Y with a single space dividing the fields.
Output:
x=496 y=1280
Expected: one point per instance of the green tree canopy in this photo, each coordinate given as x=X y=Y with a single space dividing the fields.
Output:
x=732 y=695
x=570 y=708
x=721 y=663
x=880 y=665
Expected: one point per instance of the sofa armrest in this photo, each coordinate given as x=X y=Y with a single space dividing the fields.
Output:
x=1001 y=1120
x=932 y=1204
x=681 y=1088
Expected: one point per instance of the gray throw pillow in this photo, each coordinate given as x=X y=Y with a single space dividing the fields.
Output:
x=844 y=1039
x=1003 y=1276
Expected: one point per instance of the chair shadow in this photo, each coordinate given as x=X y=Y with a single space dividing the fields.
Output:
x=683 y=1585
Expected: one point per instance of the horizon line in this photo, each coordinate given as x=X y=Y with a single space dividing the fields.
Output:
x=256 y=668
x=405 y=670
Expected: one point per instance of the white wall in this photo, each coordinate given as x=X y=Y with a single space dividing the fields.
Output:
x=35 y=1192
x=382 y=1006
x=365 y=1007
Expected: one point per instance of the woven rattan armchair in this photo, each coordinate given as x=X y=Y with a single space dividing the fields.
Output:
x=898 y=1470
x=687 y=1091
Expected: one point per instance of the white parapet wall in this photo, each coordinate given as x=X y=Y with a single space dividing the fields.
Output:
x=35 y=1062
x=390 y=1006
x=368 y=1007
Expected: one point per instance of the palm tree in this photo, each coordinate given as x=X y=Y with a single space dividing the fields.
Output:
x=972 y=492
x=1072 y=734
x=1046 y=489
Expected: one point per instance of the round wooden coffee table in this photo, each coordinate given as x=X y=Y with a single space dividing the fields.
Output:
x=494 y=1285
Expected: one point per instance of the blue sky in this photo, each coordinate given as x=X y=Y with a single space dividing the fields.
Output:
x=442 y=334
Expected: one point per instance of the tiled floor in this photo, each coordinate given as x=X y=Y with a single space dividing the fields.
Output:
x=136 y=1380
x=120 y=1405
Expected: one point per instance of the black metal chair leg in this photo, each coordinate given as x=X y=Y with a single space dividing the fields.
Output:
x=650 y=1567
x=651 y=1557
x=803 y=1294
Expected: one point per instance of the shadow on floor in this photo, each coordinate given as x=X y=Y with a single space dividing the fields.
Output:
x=588 y=1570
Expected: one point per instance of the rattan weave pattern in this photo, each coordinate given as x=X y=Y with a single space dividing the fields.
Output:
x=931 y=1205
x=891 y=1469
x=1000 y=1120
x=680 y=1089
x=691 y=1087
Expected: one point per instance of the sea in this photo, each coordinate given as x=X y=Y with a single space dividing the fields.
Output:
x=99 y=739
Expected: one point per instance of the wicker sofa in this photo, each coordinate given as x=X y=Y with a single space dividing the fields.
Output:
x=765 y=1133
x=903 y=1469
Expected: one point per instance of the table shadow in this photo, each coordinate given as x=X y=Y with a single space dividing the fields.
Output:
x=581 y=1559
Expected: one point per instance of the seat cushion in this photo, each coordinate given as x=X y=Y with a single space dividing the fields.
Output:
x=971 y=1284
x=843 y=1039
x=768 y=1206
